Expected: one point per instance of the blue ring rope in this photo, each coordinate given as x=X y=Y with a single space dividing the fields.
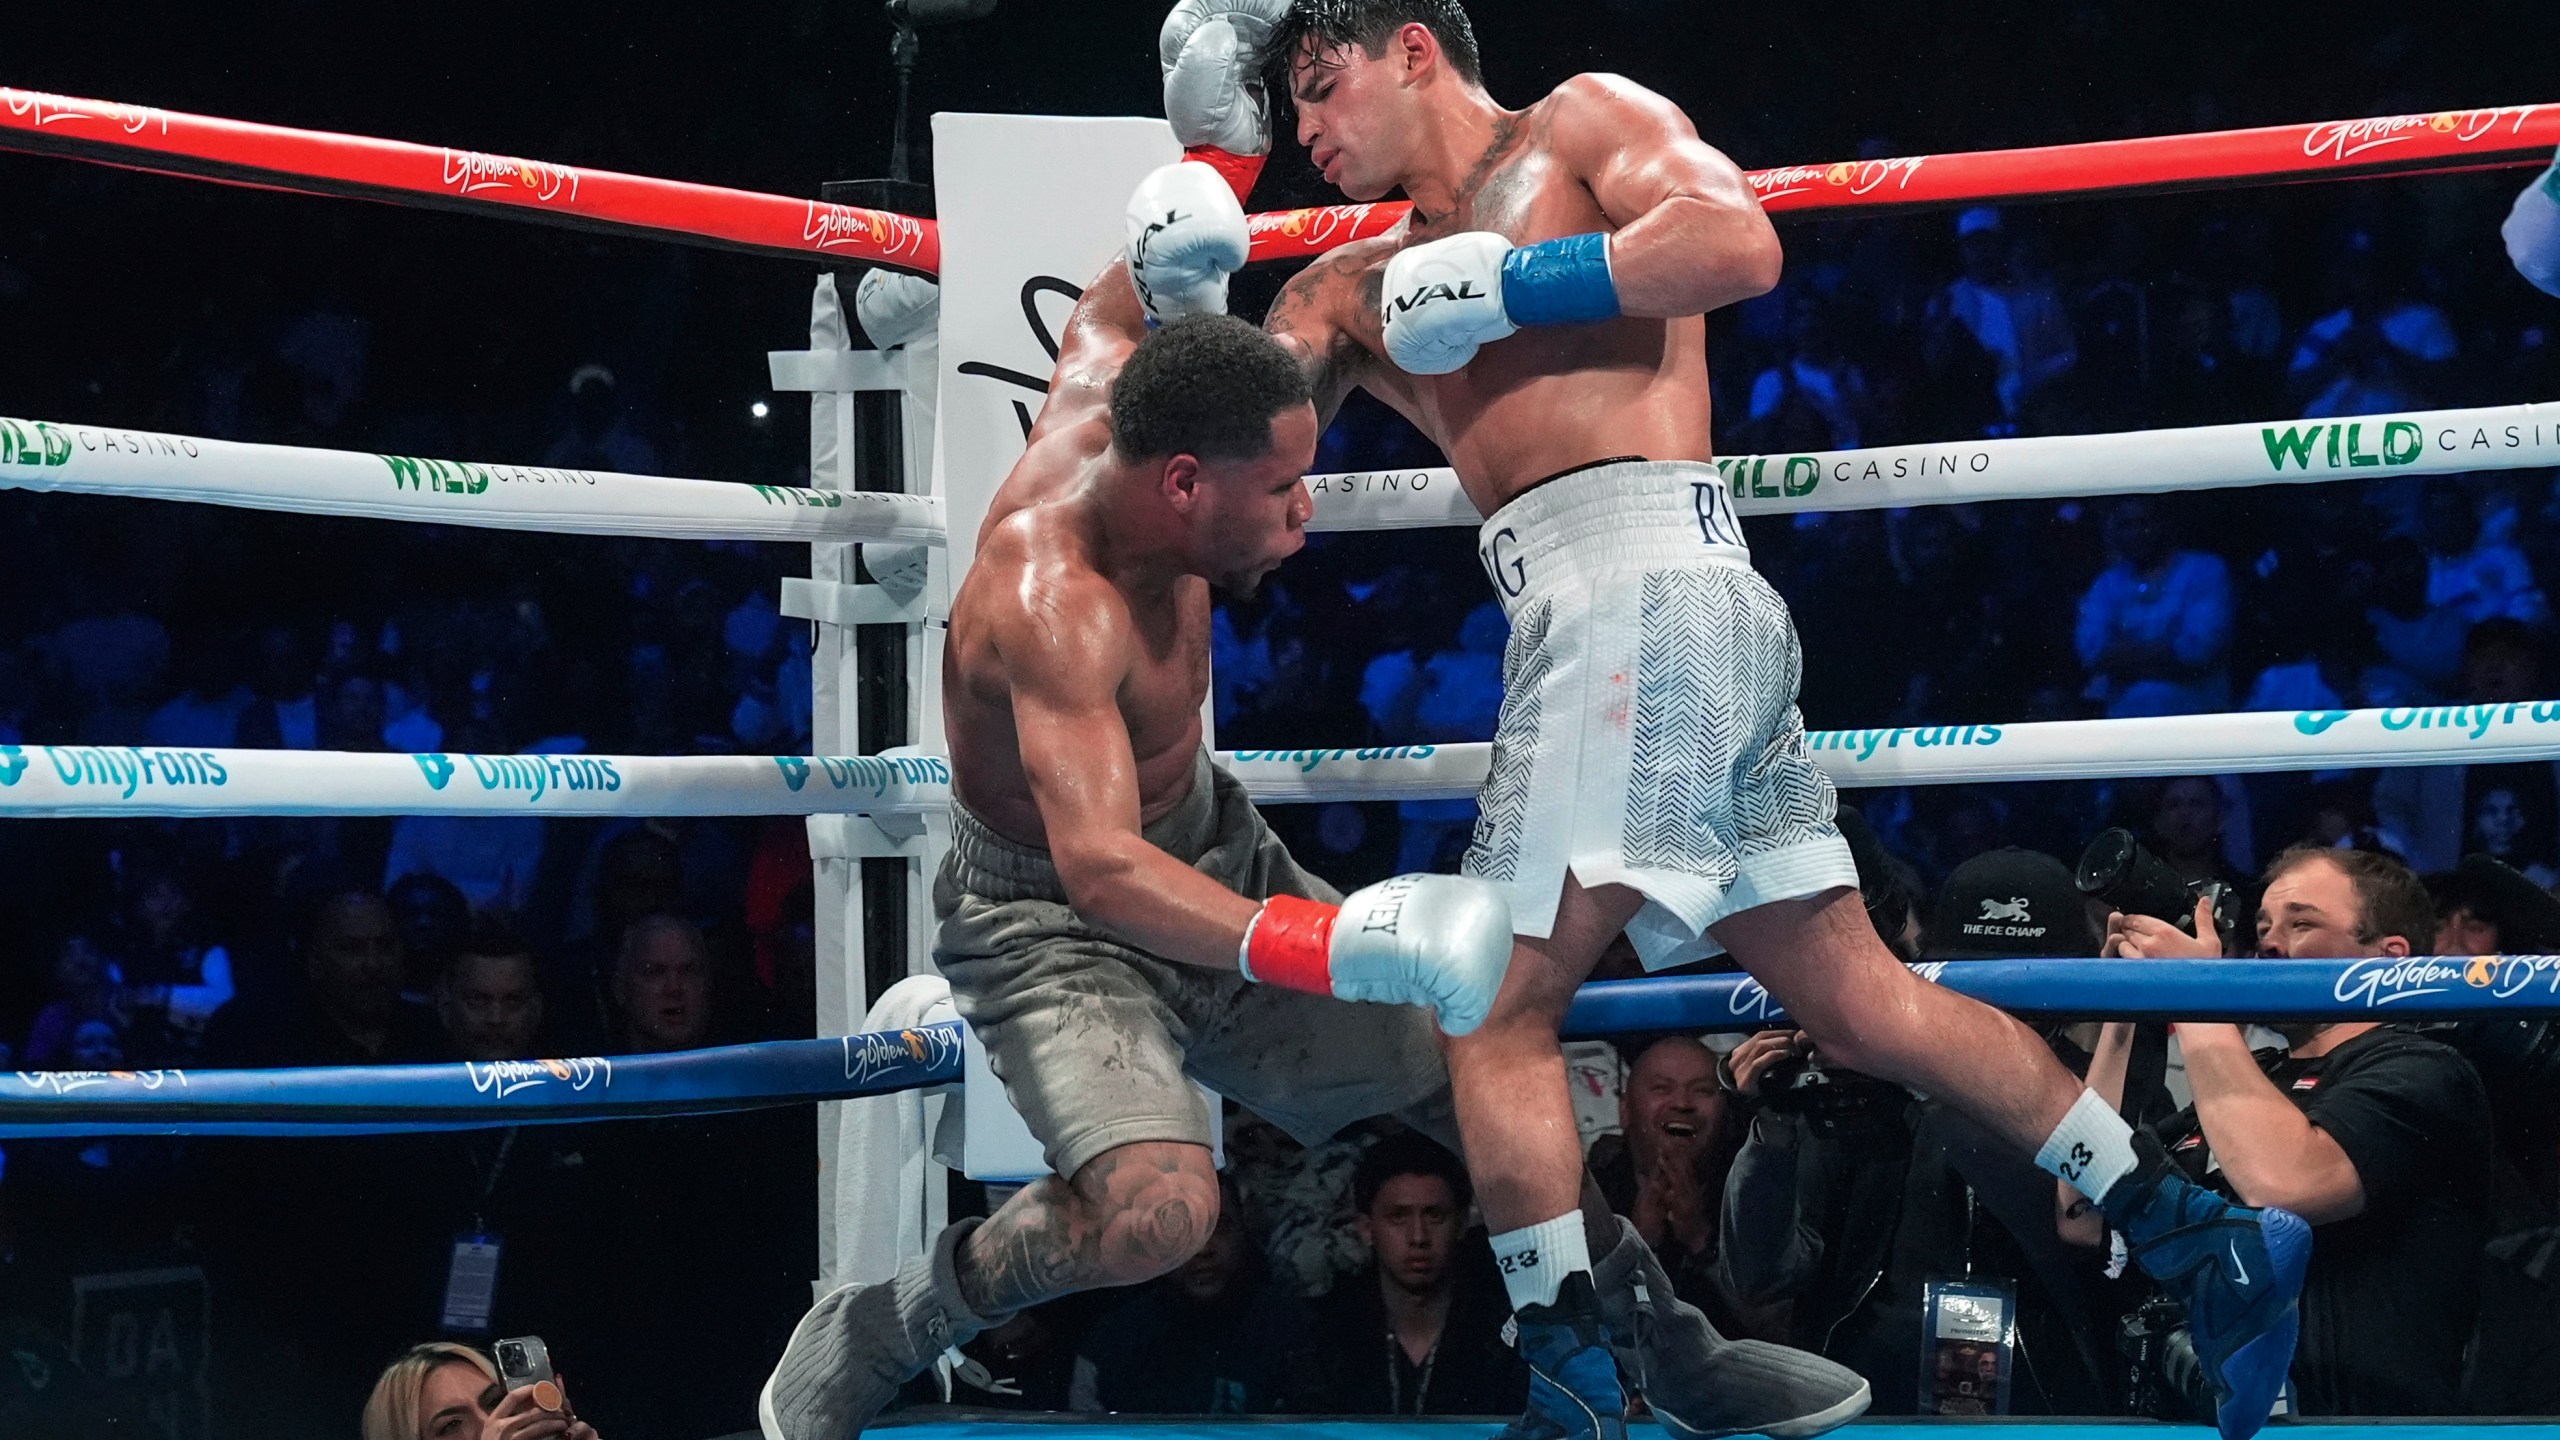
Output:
x=364 y=1100
x=2372 y=988
x=383 y=1099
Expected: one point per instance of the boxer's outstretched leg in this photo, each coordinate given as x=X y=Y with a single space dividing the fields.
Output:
x=2239 y=1270
x=1129 y=1215
x=1581 y=1322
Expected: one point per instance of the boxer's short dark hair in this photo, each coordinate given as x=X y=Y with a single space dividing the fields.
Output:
x=1205 y=385
x=1334 y=24
x=1408 y=1153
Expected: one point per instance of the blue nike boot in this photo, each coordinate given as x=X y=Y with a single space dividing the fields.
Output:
x=2238 y=1270
x=1574 y=1392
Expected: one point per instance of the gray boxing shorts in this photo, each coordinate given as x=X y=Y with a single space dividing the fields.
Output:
x=1097 y=1042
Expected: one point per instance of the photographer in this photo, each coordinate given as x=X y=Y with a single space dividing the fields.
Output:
x=1857 y=1202
x=2374 y=1134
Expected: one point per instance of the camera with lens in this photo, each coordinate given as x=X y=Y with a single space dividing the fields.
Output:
x=1831 y=1103
x=2164 y=1380
x=2119 y=872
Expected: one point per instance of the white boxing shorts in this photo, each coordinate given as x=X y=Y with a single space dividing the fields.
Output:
x=1649 y=734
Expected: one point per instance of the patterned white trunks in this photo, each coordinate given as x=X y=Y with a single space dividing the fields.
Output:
x=1649 y=734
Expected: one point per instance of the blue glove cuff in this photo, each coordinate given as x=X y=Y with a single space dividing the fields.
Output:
x=1564 y=281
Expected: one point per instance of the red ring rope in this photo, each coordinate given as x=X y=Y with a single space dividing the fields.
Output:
x=2448 y=141
x=319 y=162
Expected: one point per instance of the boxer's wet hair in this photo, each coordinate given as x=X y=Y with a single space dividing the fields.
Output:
x=1205 y=385
x=1321 y=27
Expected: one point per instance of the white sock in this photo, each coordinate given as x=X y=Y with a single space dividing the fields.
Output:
x=1535 y=1260
x=2091 y=1149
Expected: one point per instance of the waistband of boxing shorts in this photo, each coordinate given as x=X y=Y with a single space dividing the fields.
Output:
x=999 y=867
x=1624 y=514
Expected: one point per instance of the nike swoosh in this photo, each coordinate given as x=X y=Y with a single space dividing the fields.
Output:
x=2238 y=1270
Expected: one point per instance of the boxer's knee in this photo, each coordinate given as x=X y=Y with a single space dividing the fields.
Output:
x=1148 y=1207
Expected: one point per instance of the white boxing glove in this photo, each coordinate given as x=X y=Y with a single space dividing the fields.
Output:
x=1439 y=941
x=896 y=308
x=1186 y=236
x=1212 y=52
x=1442 y=299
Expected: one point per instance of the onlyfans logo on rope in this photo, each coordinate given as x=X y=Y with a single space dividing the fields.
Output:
x=1307 y=762
x=471 y=173
x=124 y=769
x=2475 y=722
x=874 y=773
x=1858 y=177
x=533 y=775
x=67 y=1082
x=501 y=1078
x=835 y=227
x=55 y=109
x=869 y=1057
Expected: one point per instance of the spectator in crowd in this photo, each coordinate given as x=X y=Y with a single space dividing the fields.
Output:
x=2434 y=814
x=2010 y=311
x=1211 y=1338
x=1849 y=1197
x=348 y=1009
x=1665 y=1171
x=284 y=709
x=2188 y=826
x=85 y=991
x=2155 y=628
x=1451 y=696
x=661 y=986
x=205 y=713
x=1419 y=1330
x=489 y=998
x=446 y=1391
x=434 y=920
x=2376 y=1135
x=176 y=977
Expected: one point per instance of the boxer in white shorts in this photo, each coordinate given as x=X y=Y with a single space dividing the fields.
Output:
x=1541 y=317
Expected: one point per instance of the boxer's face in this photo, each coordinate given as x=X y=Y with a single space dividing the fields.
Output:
x=1252 y=514
x=1355 y=116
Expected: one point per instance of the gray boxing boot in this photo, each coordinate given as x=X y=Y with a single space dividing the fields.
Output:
x=1701 y=1385
x=855 y=1347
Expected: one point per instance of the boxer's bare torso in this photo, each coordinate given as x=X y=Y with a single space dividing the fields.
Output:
x=1041 y=560
x=1544 y=400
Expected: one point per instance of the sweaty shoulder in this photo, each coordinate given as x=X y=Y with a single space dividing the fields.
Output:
x=1048 y=609
x=1600 y=108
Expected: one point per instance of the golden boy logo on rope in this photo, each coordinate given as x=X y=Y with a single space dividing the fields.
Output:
x=499 y=1079
x=2379 y=980
x=832 y=227
x=470 y=173
x=55 y=109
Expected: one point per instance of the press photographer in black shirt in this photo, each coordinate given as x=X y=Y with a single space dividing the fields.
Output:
x=2378 y=1136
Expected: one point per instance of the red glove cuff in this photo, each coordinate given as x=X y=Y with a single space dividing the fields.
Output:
x=1240 y=171
x=1291 y=945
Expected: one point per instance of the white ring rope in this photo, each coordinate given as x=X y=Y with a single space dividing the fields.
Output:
x=85 y=780
x=2422 y=442
x=105 y=460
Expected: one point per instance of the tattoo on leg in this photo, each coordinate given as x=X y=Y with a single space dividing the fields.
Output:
x=1054 y=1238
x=1027 y=1252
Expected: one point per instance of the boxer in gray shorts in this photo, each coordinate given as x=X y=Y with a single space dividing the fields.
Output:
x=1094 y=1038
x=1115 y=917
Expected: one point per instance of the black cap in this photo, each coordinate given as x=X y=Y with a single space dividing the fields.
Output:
x=2011 y=904
x=2527 y=916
